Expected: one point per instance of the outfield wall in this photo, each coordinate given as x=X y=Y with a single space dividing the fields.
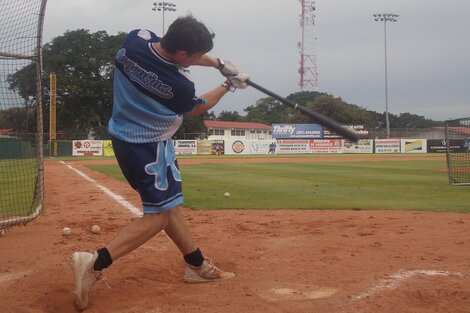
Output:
x=282 y=146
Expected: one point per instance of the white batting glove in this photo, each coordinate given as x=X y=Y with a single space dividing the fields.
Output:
x=238 y=81
x=227 y=68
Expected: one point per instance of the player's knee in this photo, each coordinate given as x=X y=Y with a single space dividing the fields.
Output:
x=156 y=222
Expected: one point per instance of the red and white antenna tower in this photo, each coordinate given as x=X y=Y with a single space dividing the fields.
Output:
x=308 y=60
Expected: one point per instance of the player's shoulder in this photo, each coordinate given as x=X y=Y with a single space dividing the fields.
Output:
x=143 y=34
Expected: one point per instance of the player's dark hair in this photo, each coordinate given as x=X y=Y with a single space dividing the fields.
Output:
x=187 y=34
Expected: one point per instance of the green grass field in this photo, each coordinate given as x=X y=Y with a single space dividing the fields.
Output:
x=17 y=185
x=396 y=184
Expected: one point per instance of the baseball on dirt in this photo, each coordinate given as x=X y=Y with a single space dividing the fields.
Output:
x=95 y=229
x=227 y=195
x=66 y=231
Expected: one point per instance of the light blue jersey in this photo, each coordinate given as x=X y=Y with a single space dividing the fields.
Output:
x=150 y=92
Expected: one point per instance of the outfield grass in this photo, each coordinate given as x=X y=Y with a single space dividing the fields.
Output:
x=407 y=185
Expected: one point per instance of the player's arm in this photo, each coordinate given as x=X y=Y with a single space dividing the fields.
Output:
x=213 y=96
x=226 y=68
x=207 y=60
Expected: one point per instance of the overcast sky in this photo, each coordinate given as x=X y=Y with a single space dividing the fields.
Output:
x=428 y=48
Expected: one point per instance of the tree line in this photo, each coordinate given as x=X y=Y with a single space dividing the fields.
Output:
x=84 y=62
x=269 y=110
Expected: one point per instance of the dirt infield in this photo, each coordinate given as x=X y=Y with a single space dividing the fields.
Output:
x=285 y=260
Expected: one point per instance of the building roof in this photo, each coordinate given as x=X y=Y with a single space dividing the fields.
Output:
x=6 y=131
x=457 y=129
x=235 y=125
x=461 y=130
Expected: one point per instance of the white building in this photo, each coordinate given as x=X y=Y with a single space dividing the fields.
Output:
x=221 y=130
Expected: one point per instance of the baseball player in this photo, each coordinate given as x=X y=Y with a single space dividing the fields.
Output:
x=152 y=90
x=272 y=148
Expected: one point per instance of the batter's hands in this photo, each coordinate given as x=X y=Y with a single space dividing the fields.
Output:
x=227 y=68
x=238 y=81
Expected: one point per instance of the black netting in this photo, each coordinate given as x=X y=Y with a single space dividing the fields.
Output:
x=458 y=151
x=20 y=127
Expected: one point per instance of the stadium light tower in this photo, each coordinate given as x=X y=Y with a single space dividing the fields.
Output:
x=162 y=7
x=386 y=17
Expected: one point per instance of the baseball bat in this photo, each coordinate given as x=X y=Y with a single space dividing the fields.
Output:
x=316 y=117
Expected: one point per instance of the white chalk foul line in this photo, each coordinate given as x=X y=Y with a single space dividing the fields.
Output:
x=135 y=211
x=398 y=278
x=8 y=277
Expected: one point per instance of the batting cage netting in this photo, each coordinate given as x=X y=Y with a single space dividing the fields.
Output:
x=21 y=130
x=458 y=151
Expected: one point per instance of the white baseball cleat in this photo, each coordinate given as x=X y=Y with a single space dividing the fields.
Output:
x=207 y=272
x=84 y=277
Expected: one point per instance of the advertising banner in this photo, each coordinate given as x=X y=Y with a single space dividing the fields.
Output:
x=185 y=146
x=217 y=147
x=325 y=145
x=361 y=146
x=387 y=145
x=358 y=129
x=291 y=131
x=250 y=146
x=87 y=148
x=413 y=146
x=440 y=145
x=292 y=146
x=108 y=148
x=237 y=147
x=262 y=146
x=204 y=147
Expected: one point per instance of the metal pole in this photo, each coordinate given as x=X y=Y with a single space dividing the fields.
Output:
x=302 y=25
x=386 y=17
x=387 y=121
x=164 y=6
x=163 y=25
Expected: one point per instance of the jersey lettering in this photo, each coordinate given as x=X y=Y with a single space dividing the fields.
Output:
x=146 y=79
